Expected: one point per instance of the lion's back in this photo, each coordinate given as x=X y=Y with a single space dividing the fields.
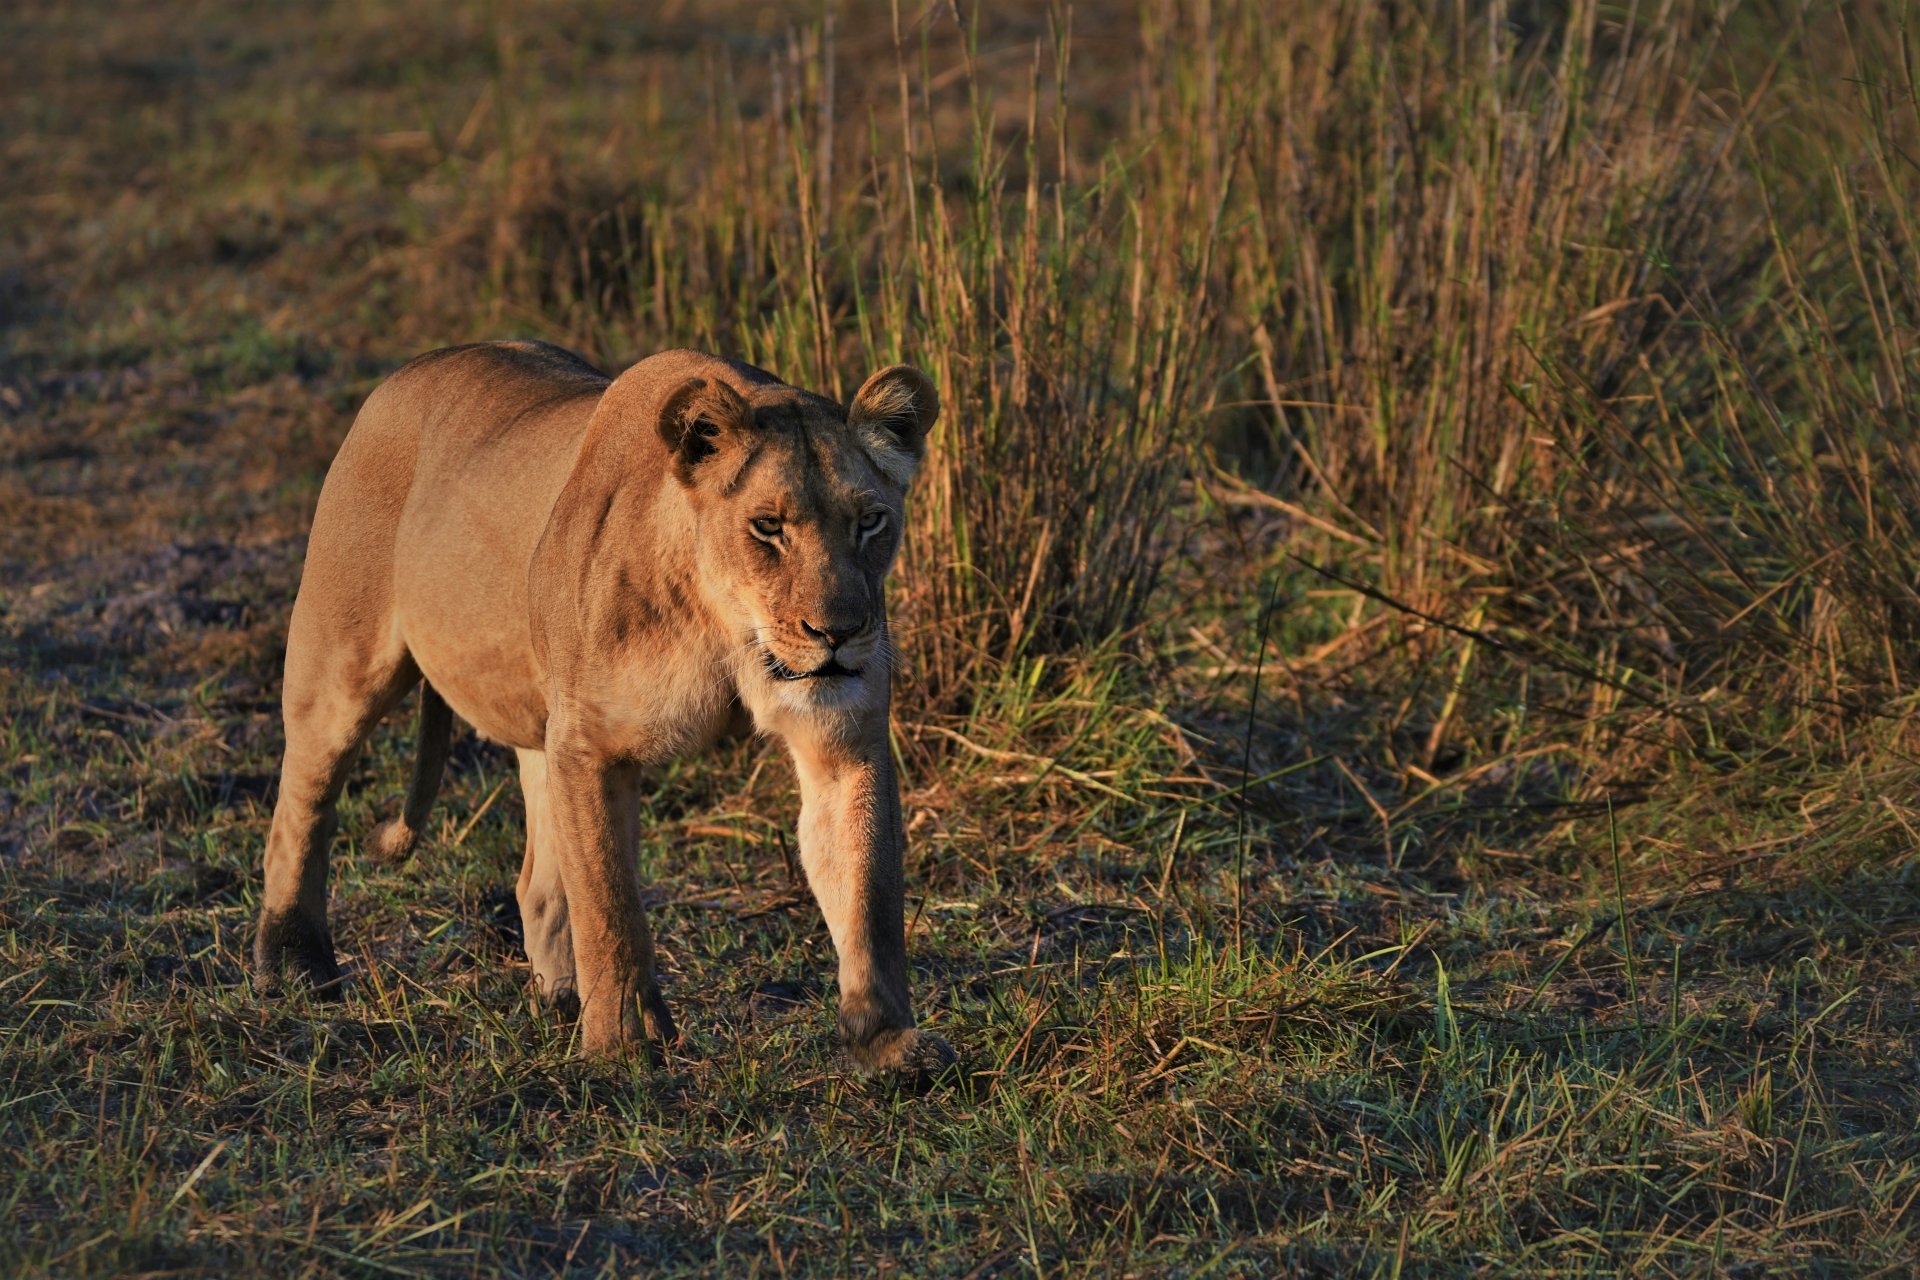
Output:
x=433 y=505
x=494 y=419
x=451 y=402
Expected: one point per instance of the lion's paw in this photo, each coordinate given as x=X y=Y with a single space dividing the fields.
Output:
x=907 y=1054
x=391 y=841
x=633 y=1028
x=290 y=940
x=558 y=997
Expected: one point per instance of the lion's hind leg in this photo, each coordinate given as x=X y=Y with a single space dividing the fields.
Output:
x=394 y=839
x=334 y=697
x=543 y=899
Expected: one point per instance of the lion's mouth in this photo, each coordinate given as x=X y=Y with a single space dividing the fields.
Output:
x=831 y=667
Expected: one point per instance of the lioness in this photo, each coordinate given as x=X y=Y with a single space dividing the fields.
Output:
x=604 y=573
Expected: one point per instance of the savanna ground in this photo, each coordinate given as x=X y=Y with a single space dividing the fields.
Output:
x=1411 y=623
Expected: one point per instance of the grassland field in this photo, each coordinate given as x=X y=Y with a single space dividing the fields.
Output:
x=1411 y=624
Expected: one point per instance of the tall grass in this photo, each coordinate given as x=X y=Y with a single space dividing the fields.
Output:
x=1521 y=300
x=1548 y=319
x=1066 y=319
x=1534 y=307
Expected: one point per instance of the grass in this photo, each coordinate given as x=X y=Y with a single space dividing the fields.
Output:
x=1408 y=744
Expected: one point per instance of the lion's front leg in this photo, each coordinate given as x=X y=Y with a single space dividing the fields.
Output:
x=591 y=812
x=852 y=845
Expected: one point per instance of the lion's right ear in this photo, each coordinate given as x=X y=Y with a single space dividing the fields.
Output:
x=701 y=419
x=891 y=415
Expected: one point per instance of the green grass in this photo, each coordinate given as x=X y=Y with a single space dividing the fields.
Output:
x=1408 y=733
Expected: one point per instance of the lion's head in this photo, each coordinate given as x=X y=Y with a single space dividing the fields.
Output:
x=798 y=504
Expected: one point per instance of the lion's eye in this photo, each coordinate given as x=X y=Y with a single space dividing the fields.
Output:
x=767 y=526
x=872 y=521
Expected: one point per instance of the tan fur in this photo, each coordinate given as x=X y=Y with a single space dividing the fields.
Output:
x=573 y=566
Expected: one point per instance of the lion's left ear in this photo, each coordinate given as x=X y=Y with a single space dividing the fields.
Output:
x=891 y=415
x=701 y=419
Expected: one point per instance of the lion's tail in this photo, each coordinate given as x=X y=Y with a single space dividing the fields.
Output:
x=395 y=838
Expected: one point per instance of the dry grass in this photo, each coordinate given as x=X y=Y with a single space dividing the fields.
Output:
x=1411 y=613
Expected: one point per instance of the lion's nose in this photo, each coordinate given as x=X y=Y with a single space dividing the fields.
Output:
x=831 y=635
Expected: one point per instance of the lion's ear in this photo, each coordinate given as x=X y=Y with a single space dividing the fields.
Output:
x=891 y=416
x=701 y=418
